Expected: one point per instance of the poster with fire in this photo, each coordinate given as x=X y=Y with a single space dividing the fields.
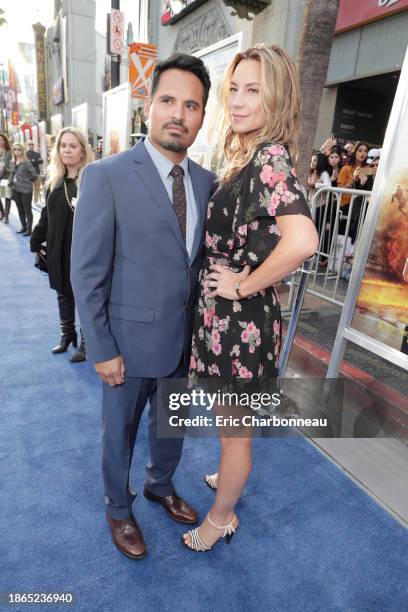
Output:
x=382 y=305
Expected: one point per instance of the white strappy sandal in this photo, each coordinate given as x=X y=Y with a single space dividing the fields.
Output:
x=211 y=480
x=197 y=544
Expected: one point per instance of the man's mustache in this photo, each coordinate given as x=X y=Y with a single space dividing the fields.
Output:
x=178 y=124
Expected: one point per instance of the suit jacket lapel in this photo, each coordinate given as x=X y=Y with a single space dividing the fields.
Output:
x=148 y=174
x=201 y=201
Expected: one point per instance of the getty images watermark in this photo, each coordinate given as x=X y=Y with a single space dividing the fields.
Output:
x=256 y=410
x=316 y=407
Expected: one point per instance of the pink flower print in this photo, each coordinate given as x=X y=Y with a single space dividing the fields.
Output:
x=193 y=363
x=254 y=225
x=270 y=178
x=281 y=178
x=238 y=255
x=244 y=373
x=208 y=316
x=235 y=365
x=274 y=229
x=216 y=348
x=277 y=347
x=267 y=175
x=223 y=325
x=251 y=348
x=213 y=370
x=245 y=336
x=215 y=335
x=276 y=328
x=288 y=197
x=251 y=327
x=208 y=240
x=230 y=243
x=258 y=341
x=274 y=203
x=200 y=366
x=276 y=149
x=243 y=230
x=235 y=350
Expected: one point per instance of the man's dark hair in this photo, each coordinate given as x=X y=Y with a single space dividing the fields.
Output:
x=181 y=61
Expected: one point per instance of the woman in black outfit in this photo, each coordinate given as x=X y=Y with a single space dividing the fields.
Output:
x=71 y=153
x=22 y=176
x=328 y=167
x=5 y=192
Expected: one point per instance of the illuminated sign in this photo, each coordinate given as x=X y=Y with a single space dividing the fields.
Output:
x=353 y=14
x=173 y=10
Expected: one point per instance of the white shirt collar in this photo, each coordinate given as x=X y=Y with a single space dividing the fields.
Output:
x=162 y=163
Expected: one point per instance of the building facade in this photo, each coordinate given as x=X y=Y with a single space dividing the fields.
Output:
x=71 y=49
x=369 y=46
x=203 y=23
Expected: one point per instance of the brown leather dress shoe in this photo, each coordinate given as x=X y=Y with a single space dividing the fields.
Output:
x=175 y=506
x=127 y=537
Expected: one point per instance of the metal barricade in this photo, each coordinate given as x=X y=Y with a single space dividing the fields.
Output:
x=339 y=230
x=324 y=281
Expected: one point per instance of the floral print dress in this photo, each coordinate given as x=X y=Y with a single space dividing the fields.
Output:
x=241 y=339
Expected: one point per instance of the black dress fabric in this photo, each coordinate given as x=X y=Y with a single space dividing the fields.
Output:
x=55 y=228
x=241 y=339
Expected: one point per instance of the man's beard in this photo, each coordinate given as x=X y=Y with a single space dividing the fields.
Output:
x=174 y=145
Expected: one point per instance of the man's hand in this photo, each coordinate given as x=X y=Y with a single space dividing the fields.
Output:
x=112 y=371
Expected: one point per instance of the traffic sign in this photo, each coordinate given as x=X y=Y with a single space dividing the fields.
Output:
x=117 y=32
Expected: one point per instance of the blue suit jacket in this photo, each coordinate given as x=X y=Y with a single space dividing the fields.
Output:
x=134 y=284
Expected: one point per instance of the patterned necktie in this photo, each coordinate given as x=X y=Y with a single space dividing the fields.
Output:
x=179 y=197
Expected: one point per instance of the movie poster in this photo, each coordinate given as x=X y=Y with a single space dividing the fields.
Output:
x=382 y=305
x=57 y=123
x=205 y=151
x=116 y=120
x=80 y=118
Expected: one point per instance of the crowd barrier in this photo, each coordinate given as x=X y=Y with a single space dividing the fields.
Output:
x=339 y=231
x=326 y=274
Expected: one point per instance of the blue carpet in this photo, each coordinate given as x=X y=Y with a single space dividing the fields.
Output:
x=310 y=540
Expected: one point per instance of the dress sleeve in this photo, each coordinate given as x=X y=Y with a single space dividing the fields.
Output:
x=274 y=188
x=39 y=234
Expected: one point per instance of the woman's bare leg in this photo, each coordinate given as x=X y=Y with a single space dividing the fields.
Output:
x=234 y=469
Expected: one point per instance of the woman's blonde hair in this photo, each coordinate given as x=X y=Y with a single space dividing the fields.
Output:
x=280 y=101
x=56 y=168
x=22 y=147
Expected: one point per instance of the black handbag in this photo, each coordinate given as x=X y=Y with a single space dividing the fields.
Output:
x=41 y=260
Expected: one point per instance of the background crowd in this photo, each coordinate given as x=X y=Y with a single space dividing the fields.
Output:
x=350 y=166
x=51 y=238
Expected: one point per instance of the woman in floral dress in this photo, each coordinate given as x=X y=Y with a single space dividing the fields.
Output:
x=258 y=231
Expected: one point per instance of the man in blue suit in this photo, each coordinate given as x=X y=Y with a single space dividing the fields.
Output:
x=136 y=254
